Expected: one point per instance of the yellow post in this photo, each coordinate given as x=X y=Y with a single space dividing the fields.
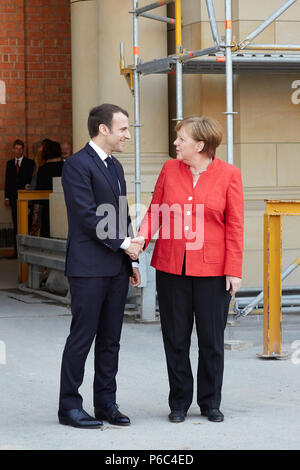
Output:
x=272 y=285
x=178 y=27
x=272 y=274
x=23 y=197
x=22 y=212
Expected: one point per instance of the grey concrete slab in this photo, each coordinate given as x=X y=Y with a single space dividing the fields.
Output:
x=260 y=397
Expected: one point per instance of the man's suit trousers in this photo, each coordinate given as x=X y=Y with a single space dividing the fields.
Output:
x=97 y=314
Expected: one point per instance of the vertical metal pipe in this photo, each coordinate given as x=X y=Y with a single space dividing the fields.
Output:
x=137 y=118
x=179 y=99
x=122 y=55
x=213 y=22
x=229 y=81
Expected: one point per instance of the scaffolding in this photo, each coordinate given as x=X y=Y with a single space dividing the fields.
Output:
x=223 y=57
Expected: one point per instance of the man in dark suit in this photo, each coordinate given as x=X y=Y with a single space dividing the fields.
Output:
x=98 y=265
x=18 y=175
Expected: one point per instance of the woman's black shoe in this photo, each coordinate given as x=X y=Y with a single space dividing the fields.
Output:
x=177 y=416
x=213 y=414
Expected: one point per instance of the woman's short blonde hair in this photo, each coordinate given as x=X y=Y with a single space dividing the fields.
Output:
x=205 y=129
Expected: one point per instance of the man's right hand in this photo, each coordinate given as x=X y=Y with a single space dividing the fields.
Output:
x=140 y=240
x=135 y=248
x=6 y=202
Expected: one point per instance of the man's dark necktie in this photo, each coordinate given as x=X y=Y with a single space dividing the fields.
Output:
x=17 y=167
x=113 y=173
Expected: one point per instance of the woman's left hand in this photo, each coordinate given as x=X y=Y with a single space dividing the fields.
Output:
x=233 y=283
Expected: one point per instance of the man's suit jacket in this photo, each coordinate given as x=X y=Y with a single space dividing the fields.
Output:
x=219 y=194
x=90 y=195
x=14 y=182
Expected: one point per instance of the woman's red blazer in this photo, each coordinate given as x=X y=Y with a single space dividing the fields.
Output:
x=205 y=222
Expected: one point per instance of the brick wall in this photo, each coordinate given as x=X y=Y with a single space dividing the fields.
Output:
x=35 y=73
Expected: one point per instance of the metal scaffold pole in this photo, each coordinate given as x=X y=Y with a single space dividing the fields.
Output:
x=266 y=23
x=137 y=115
x=229 y=81
x=213 y=22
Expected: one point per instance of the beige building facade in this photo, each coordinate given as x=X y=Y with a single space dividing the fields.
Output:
x=266 y=128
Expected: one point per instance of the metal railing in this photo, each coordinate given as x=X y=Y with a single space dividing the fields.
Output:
x=244 y=305
x=37 y=252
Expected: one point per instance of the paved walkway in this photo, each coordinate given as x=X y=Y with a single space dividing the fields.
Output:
x=260 y=398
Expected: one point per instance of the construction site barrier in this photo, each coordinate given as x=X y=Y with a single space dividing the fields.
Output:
x=272 y=274
x=23 y=197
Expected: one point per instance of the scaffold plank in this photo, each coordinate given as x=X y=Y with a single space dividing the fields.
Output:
x=215 y=64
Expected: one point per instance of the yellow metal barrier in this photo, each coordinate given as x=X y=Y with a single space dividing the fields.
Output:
x=23 y=197
x=272 y=274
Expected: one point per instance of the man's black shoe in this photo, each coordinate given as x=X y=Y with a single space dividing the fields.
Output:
x=177 y=416
x=111 y=413
x=213 y=414
x=78 y=419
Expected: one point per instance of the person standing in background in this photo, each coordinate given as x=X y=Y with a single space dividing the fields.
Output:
x=18 y=175
x=37 y=149
x=51 y=168
x=66 y=150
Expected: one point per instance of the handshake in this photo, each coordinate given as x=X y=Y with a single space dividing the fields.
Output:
x=135 y=248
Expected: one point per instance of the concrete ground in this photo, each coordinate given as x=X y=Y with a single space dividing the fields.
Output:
x=260 y=397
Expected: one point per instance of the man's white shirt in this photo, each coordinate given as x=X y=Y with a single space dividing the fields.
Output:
x=103 y=156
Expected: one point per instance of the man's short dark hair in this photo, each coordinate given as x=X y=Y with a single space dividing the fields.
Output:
x=103 y=114
x=19 y=142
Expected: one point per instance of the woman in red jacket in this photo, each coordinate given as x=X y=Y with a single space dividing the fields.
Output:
x=197 y=206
